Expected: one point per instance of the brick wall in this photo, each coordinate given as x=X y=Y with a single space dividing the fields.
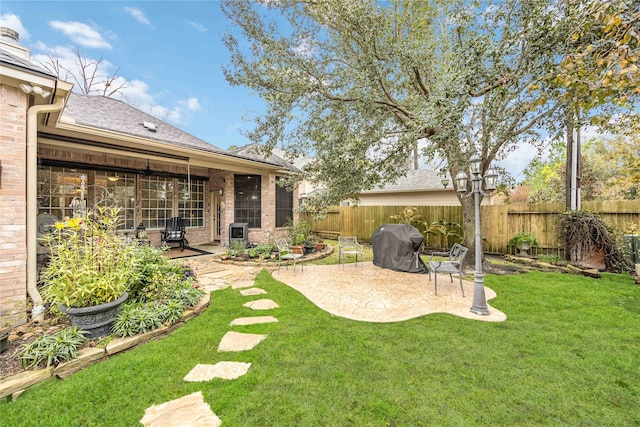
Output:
x=13 y=247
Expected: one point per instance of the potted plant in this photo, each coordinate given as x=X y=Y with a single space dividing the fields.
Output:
x=523 y=241
x=89 y=270
x=313 y=242
x=297 y=235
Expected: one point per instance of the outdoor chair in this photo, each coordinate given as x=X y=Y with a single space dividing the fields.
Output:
x=285 y=253
x=174 y=231
x=452 y=265
x=349 y=246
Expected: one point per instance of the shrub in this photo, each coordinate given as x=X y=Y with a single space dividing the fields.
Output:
x=53 y=349
x=136 y=319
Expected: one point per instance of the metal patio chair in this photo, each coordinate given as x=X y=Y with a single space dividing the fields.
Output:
x=350 y=246
x=452 y=265
x=285 y=253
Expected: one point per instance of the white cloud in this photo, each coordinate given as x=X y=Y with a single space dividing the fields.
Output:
x=81 y=34
x=12 y=21
x=137 y=14
x=198 y=26
x=193 y=104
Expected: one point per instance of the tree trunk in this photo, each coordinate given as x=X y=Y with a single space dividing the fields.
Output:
x=468 y=212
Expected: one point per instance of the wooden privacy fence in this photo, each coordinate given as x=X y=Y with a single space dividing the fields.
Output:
x=499 y=222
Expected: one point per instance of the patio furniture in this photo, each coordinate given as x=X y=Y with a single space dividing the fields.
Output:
x=174 y=231
x=285 y=253
x=452 y=265
x=349 y=246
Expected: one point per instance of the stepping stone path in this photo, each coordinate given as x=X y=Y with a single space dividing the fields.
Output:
x=224 y=370
x=261 y=304
x=192 y=410
x=252 y=291
x=237 y=341
x=187 y=411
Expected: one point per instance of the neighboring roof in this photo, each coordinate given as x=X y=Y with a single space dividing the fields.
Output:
x=117 y=116
x=250 y=152
x=415 y=180
x=11 y=60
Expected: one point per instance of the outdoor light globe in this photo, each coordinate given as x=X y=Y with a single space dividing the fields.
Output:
x=490 y=179
x=461 y=180
x=476 y=162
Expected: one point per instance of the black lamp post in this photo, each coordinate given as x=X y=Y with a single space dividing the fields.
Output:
x=479 y=300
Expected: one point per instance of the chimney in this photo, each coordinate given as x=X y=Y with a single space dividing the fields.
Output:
x=9 y=41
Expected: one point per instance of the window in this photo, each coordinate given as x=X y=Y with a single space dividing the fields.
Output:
x=59 y=191
x=191 y=202
x=122 y=187
x=156 y=200
x=284 y=204
x=247 y=198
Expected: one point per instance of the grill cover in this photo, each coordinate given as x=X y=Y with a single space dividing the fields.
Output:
x=397 y=247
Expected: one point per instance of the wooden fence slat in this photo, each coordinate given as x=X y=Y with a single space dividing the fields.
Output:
x=498 y=222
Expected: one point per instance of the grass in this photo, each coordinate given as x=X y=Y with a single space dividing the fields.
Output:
x=568 y=354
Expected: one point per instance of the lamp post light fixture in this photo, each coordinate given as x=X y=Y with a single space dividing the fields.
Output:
x=479 y=300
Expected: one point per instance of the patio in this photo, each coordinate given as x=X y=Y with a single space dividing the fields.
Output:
x=371 y=294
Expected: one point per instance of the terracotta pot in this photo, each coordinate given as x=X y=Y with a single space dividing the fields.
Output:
x=297 y=249
x=319 y=247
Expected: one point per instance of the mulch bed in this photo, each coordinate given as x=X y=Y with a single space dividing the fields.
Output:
x=10 y=363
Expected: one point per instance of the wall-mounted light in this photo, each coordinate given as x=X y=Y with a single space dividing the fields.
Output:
x=444 y=182
x=27 y=88
x=221 y=192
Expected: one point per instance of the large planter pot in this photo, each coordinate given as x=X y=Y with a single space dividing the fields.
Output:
x=297 y=249
x=524 y=248
x=96 y=320
x=308 y=249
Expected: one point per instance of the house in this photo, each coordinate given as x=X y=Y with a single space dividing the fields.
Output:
x=61 y=152
x=417 y=188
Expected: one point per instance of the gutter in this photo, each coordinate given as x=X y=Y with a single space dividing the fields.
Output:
x=32 y=203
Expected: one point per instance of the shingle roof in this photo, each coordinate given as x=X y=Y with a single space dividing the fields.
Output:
x=415 y=180
x=117 y=116
x=250 y=152
x=114 y=115
x=11 y=60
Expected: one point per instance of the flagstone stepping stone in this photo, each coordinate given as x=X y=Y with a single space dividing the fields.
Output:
x=252 y=291
x=241 y=321
x=187 y=411
x=224 y=370
x=236 y=341
x=261 y=304
x=243 y=284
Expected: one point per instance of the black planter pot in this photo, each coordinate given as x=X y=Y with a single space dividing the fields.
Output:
x=96 y=320
x=309 y=249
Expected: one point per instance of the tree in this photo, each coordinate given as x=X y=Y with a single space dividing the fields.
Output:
x=603 y=52
x=89 y=75
x=599 y=180
x=356 y=84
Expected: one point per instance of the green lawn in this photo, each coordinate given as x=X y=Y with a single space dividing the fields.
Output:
x=567 y=355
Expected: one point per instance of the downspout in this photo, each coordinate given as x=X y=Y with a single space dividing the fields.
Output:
x=32 y=203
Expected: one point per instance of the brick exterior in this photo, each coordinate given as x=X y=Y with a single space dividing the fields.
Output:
x=13 y=227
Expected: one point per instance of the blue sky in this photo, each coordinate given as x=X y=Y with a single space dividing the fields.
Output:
x=169 y=52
